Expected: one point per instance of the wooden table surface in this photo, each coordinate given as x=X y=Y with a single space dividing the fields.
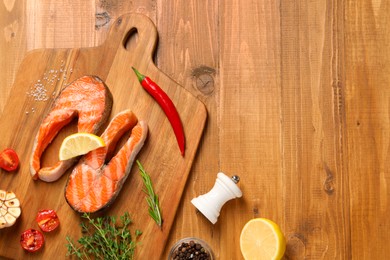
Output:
x=298 y=102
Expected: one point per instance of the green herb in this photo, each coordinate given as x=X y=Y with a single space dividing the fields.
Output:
x=104 y=238
x=152 y=198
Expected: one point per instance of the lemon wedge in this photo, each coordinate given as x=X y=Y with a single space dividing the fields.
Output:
x=78 y=144
x=262 y=239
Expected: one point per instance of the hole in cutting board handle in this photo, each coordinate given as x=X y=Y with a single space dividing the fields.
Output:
x=131 y=39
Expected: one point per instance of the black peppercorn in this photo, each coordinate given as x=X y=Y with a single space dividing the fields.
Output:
x=191 y=251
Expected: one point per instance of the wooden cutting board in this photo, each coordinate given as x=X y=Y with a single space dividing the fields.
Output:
x=42 y=74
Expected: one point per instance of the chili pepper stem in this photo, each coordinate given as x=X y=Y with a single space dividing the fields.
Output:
x=139 y=75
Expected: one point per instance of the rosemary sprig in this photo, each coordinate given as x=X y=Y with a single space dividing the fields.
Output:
x=152 y=198
x=104 y=238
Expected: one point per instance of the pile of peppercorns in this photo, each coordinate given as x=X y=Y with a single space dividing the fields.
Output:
x=191 y=250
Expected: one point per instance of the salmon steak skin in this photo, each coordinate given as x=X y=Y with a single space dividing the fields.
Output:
x=87 y=98
x=94 y=184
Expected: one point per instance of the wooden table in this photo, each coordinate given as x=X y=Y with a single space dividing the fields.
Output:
x=297 y=94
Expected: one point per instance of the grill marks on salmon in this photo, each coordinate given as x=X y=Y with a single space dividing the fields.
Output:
x=94 y=185
x=87 y=98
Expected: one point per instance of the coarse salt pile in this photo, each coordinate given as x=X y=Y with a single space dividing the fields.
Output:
x=39 y=90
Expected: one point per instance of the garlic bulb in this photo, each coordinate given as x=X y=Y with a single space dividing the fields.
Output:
x=9 y=208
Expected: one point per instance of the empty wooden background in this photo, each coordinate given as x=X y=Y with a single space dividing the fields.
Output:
x=298 y=99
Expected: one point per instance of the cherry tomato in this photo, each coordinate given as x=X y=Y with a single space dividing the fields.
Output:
x=31 y=240
x=47 y=220
x=9 y=160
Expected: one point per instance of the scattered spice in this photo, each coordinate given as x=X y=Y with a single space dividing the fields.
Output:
x=191 y=250
x=39 y=90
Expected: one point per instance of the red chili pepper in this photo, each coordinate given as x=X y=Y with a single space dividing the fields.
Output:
x=167 y=106
x=9 y=160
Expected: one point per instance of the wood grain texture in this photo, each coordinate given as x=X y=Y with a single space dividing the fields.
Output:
x=250 y=93
x=312 y=123
x=297 y=98
x=367 y=67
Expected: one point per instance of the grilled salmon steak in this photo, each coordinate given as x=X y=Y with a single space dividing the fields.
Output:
x=87 y=98
x=94 y=185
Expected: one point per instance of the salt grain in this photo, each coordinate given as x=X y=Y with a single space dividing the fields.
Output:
x=39 y=90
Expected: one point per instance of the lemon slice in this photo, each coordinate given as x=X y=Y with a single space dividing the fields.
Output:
x=78 y=144
x=262 y=239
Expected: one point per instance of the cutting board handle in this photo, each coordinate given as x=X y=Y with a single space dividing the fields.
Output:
x=146 y=32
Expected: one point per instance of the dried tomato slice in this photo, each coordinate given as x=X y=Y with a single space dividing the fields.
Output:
x=9 y=160
x=47 y=220
x=31 y=240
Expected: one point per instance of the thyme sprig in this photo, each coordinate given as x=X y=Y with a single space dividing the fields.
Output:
x=152 y=198
x=104 y=238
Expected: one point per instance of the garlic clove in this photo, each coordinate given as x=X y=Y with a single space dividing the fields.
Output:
x=10 y=195
x=3 y=212
x=12 y=203
x=15 y=212
x=9 y=219
x=3 y=194
x=3 y=223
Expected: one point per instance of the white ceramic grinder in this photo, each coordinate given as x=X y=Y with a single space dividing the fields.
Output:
x=224 y=189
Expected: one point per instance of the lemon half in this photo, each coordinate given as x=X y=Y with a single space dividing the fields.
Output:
x=262 y=239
